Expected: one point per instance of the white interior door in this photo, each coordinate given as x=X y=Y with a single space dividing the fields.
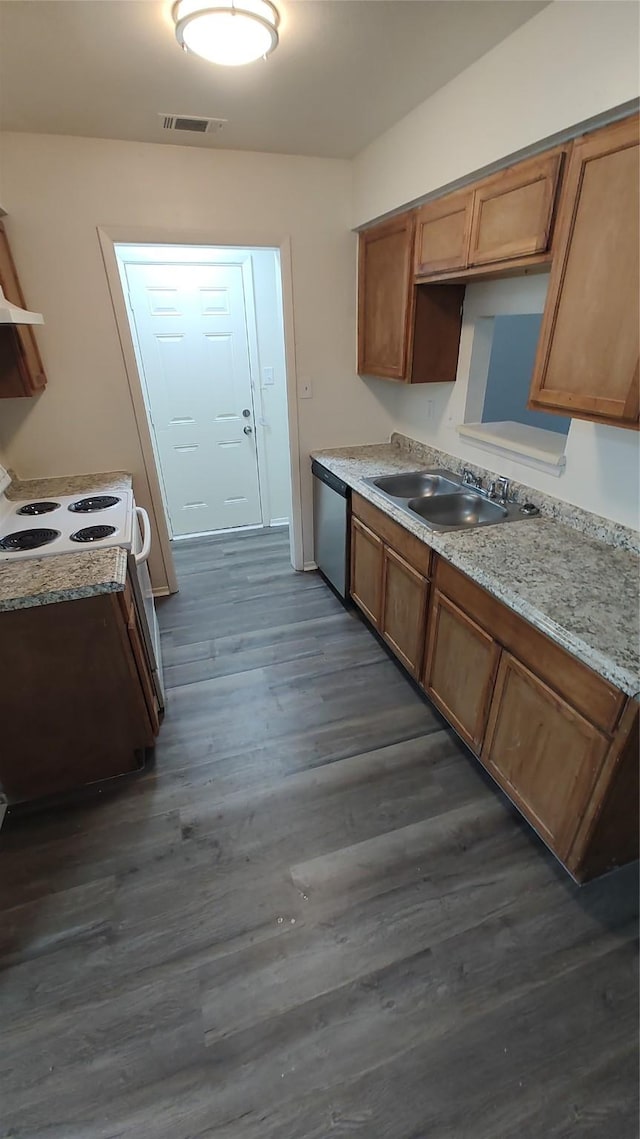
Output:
x=191 y=327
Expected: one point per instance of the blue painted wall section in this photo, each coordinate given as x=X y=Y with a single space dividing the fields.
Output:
x=515 y=339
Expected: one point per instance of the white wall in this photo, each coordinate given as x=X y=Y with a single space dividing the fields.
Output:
x=572 y=61
x=58 y=190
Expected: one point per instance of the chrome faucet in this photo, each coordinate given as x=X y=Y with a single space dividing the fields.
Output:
x=498 y=489
x=469 y=479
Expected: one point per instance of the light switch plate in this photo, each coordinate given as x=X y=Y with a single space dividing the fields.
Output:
x=267 y=377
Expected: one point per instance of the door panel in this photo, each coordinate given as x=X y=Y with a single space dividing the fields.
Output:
x=442 y=235
x=513 y=211
x=385 y=299
x=544 y=754
x=460 y=669
x=366 y=571
x=192 y=335
x=404 y=598
x=587 y=360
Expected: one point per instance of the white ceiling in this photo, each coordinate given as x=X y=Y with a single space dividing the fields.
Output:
x=344 y=71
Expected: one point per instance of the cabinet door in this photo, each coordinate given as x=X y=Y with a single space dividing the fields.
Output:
x=366 y=571
x=545 y=755
x=21 y=370
x=461 y=666
x=386 y=298
x=587 y=359
x=442 y=234
x=404 y=599
x=513 y=211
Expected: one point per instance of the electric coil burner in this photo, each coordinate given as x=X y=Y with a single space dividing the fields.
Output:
x=94 y=502
x=28 y=539
x=34 y=508
x=92 y=533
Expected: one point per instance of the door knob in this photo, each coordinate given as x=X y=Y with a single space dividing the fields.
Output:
x=248 y=430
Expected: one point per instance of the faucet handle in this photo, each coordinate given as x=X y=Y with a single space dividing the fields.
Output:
x=469 y=479
x=502 y=489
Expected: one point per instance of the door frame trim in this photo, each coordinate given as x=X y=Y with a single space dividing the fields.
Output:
x=109 y=237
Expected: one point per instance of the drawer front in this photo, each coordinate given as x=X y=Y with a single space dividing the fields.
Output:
x=415 y=552
x=589 y=694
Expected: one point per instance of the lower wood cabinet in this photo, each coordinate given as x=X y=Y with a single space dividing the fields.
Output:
x=460 y=669
x=404 y=603
x=77 y=705
x=366 y=571
x=560 y=740
x=544 y=753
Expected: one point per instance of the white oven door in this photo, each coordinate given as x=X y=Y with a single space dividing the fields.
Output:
x=141 y=550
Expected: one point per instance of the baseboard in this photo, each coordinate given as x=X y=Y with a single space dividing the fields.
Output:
x=309 y=566
x=162 y=591
x=279 y=522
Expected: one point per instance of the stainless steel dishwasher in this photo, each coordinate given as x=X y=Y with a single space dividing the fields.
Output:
x=331 y=505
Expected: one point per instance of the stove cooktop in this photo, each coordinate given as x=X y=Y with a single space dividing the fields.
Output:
x=65 y=525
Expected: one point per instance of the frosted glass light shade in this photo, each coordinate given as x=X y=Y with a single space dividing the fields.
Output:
x=227 y=32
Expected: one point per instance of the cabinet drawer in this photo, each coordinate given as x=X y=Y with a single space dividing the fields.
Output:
x=407 y=545
x=544 y=754
x=592 y=696
x=513 y=211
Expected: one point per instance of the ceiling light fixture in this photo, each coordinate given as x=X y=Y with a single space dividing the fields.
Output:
x=230 y=32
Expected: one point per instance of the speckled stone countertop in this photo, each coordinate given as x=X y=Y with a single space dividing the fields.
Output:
x=578 y=590
x=61 y=577
x=108 y=483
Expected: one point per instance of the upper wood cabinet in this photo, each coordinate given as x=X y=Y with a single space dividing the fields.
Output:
x=513 y=211
x=21 y=370
x=385 y=297
x=587 y=360
x=507 y=217
x=545 y=755
x=442 y=234
x=406 y=332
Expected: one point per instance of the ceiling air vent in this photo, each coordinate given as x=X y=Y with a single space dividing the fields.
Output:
x=194 y=123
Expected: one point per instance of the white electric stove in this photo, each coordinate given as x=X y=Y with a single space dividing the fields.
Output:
x=71 y=524
x=64 y=524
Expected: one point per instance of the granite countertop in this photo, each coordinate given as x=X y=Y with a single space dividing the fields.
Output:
x=110 y=482
x=579 y=591
x=63 y=577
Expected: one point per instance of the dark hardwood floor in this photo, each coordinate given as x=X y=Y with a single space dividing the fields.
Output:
x=313 y=918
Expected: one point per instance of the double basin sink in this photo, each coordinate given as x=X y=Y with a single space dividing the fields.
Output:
x=444 y=502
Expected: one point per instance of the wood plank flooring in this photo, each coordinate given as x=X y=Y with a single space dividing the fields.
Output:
x=313 y=918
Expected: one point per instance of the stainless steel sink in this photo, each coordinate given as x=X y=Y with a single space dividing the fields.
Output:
x=417 y=484
x=462 y=509
x=444 y=502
